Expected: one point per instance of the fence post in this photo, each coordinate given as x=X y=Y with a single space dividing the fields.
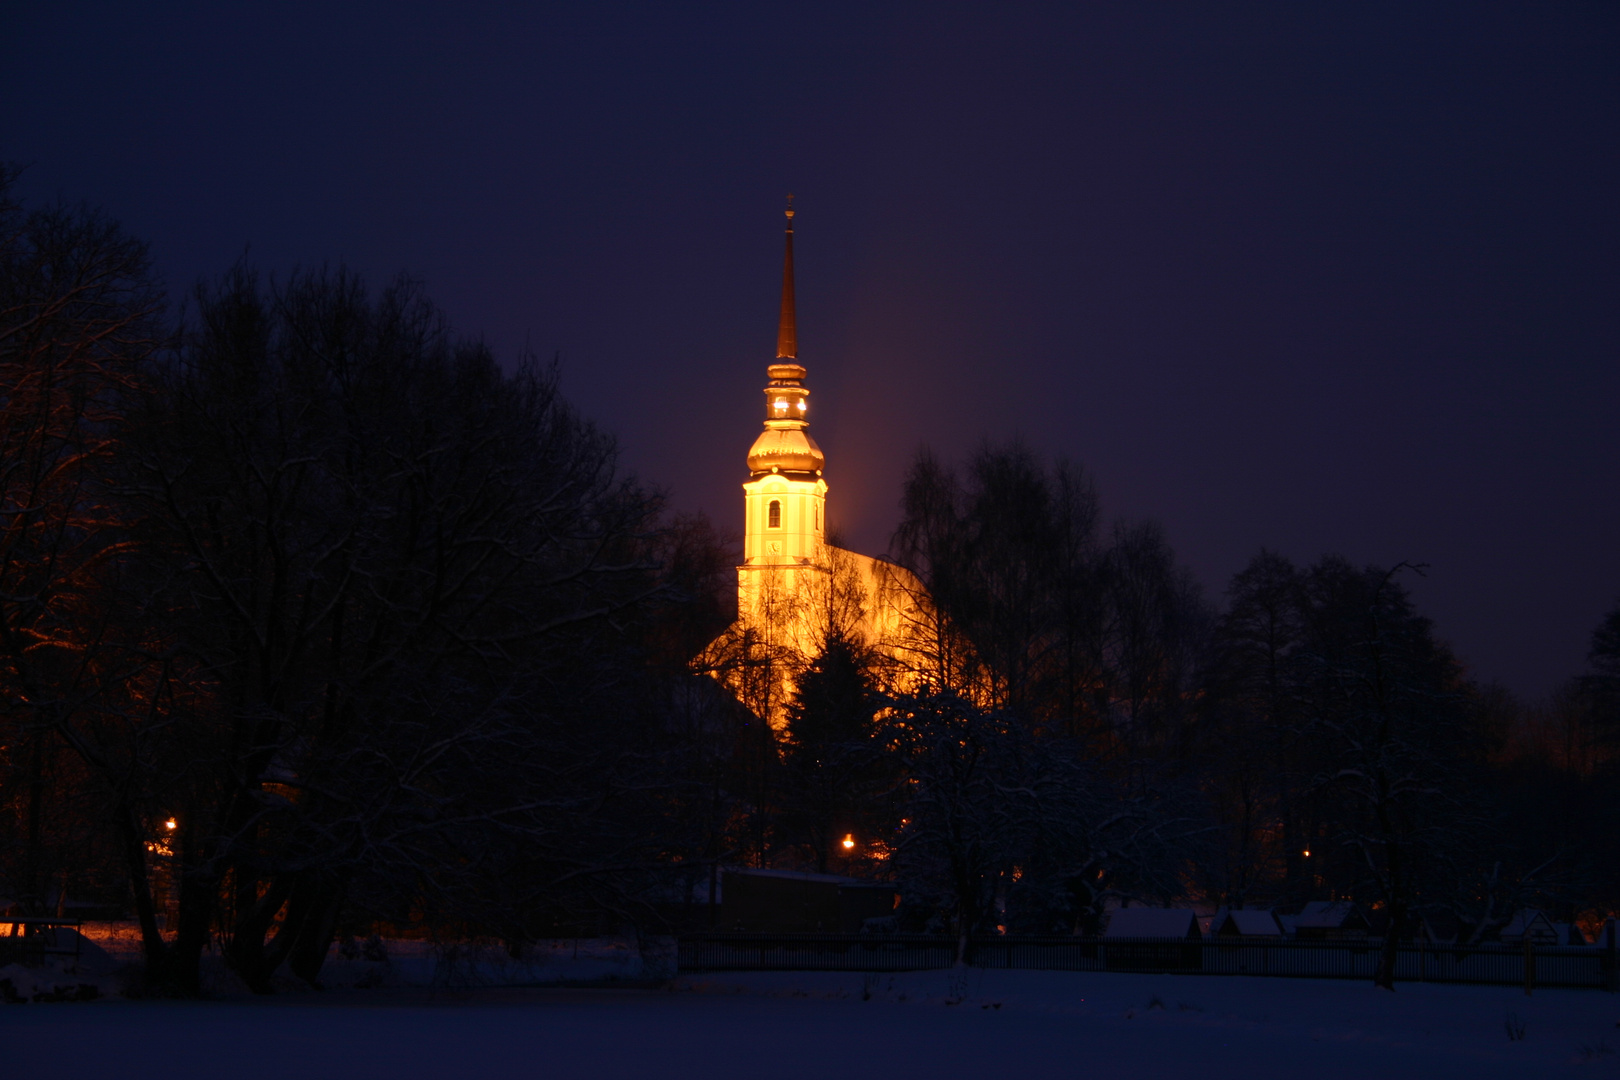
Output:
x=1611 y=969
x=1529 y=961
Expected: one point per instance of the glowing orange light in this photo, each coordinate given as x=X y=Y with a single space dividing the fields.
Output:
x=170 y=824
x=849 y=841
x=1307 y=853
x=781 y=404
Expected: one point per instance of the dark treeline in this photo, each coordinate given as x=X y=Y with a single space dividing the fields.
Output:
x=314 y=618
x=317 y=621
x=1093 y=730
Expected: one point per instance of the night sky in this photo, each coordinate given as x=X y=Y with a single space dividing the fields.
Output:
x=1316 y=277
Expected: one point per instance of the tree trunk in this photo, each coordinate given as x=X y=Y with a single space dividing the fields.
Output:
x=183 y=972
x=153 y=947
x=315 y=935
x=33 y=866
x=247 y=954
x=1390 y=953
x=1395 y=897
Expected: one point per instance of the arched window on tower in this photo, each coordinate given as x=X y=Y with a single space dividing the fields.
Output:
x=773 y=515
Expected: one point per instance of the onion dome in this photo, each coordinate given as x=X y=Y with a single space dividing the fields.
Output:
x=787 y=450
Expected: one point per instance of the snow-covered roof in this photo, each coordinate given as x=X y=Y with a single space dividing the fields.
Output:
x=1324 y=915
x=1153 y=922
x=1538 y=925
x=1248 y=922
x=1570 y=934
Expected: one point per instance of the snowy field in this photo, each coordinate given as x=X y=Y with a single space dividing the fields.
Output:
x=979 y=1024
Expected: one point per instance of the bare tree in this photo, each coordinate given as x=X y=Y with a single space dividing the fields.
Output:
x=1601 y=685
x=1250 y=741
x=1009 y=559
x=1157 y=635
x=78 y=320
x=1383 y=702
x=402 y=581
x=1004 y=827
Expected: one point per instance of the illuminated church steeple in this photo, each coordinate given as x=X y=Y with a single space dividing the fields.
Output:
x=793 y=588
x=785 y=497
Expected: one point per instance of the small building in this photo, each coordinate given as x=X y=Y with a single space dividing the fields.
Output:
x=1153 y=939
x=1331 y=920
x=1570 y=934
x=1246 y=923
x=1146 y=922
x=1532 y=922
x=789 y=901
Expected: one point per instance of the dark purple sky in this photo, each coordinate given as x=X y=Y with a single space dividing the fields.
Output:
x=1318 y=277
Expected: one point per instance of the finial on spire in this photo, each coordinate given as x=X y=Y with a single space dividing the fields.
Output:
x=787 y=332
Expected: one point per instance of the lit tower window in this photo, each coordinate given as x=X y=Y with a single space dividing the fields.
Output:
x=773 y=515
x=787 y=398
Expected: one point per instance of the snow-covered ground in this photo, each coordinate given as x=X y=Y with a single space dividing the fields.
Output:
x=1025 y=1024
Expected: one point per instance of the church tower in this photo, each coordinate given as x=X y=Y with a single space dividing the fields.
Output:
x=793 y=588
x=785 y=497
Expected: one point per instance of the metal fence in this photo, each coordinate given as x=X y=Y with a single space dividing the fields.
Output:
x=1571 y=966
x=29 y=939
x=22 y=950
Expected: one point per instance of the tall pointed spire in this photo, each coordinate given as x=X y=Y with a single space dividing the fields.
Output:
x=787 y=333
